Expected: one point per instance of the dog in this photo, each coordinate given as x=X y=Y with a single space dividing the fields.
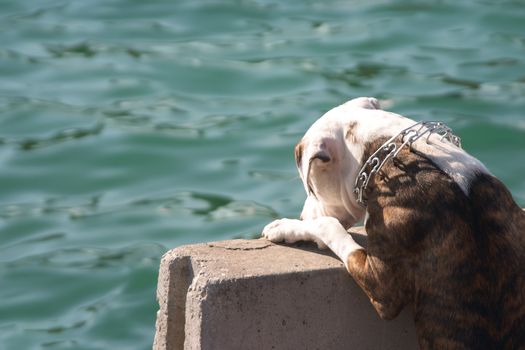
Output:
x=444 y=235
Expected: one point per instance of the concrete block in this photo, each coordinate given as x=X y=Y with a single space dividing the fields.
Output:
x=253 y=294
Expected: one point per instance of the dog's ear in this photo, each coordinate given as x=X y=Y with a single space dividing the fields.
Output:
x=365 y=102
x=373 y=103
x=299 y=153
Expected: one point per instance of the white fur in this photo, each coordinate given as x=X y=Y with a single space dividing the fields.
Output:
x=325 y=231
x=332 y=182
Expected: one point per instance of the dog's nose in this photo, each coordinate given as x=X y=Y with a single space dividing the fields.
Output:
x=322 y=155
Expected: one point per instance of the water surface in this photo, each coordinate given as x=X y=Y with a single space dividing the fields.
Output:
x=130 y=127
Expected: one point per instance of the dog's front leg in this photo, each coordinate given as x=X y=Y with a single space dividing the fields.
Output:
x=384 y=285
x=324 y=231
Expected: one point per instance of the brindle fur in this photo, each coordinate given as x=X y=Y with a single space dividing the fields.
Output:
x=458 y=259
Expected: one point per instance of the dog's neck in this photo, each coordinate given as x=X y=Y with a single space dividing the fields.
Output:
x=452 y=160
x=391 y=148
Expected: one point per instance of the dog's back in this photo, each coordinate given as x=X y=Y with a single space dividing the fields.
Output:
x=499 y=232
x=469 y=264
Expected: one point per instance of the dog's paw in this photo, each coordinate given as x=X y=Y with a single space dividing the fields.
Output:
x=281 y=230
x=290 y=231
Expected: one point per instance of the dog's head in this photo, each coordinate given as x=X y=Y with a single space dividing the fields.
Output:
x=330 y=154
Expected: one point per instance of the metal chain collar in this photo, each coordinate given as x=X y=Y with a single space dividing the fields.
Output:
x=390 y=149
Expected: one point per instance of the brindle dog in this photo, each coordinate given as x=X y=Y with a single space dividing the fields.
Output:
x=444 y=235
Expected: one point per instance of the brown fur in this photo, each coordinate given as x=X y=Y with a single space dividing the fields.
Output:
x=458 y=260
x=350 y=133
x=299 y=153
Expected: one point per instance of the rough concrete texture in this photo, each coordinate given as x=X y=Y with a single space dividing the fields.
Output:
x=253 y=294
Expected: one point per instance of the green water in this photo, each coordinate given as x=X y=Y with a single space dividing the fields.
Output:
x=130 y=127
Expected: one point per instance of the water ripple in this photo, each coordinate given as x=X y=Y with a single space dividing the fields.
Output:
x=242 y=209
x=83 y=48
x=60 y=137
x=92 y=258
x=208 y=205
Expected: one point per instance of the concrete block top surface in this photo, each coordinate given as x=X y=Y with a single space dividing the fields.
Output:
x=253 y=294
x=252 y=258
x=257 y=257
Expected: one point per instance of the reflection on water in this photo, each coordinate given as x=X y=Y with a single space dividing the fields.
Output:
x=128 y=128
